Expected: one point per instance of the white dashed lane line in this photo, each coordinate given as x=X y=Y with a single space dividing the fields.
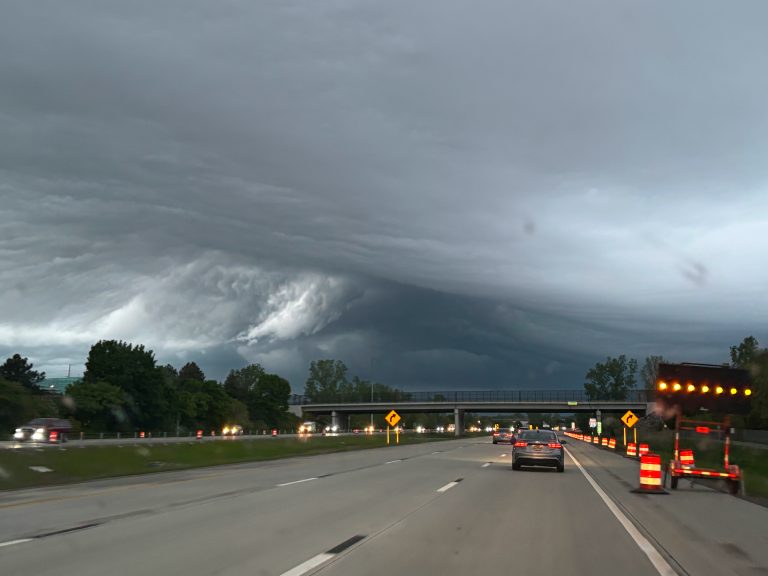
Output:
x=450 y=485
x=296 y=482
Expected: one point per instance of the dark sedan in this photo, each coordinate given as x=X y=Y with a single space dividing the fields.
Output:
x=500 y=436
x=538 y=448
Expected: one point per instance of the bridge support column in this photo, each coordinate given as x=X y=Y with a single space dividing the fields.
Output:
x=458 y=421
x=335 y=420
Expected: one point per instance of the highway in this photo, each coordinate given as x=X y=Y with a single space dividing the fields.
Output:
x=452 y=507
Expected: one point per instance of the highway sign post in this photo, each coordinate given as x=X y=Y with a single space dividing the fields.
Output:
x=392 y=419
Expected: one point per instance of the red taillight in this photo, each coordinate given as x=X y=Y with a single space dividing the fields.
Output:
x=554 y=445
x=521 y=444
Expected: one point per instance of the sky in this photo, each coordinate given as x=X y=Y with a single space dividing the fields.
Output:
x=442 y=194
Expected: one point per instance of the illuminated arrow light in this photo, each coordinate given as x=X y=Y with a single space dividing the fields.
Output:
x=690 y=388
x=704 y=389
x=747 y=392
x=719 y=390
x=734 y=391
x=676 y=387
x=663 y=386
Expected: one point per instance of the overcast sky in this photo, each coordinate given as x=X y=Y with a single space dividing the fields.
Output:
x=440 y=193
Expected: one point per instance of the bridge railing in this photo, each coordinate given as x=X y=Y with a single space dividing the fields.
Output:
x=572 y=395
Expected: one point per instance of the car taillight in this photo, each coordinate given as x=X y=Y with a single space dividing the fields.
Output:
x=554 y=445
x=521 y=444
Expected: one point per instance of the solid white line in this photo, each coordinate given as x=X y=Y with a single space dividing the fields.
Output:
x=447 y=486
x=12 y=542
x=658 y=561
x=305 y=567
x=297 y=481
x=392 y=461
x=486 y=465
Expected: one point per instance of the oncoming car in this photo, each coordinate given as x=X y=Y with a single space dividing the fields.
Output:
x=234 y=430
x=538 y=448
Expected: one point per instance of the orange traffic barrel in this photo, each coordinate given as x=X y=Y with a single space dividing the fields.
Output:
x=632 y=450
x=643 y=449
x=650 y=475
x=612 y=443
x=604 y=442
x=686 y=458
x=199 y=433
x=141 y=434
x=274 y=431
x=53 y=436
x=595 y=440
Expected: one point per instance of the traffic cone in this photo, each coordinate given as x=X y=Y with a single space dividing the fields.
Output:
x=650 y=475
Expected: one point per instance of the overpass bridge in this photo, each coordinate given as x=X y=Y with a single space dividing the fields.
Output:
x=478 y=401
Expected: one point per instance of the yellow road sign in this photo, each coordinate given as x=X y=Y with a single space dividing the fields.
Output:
x=629 y=419
x=392 y=418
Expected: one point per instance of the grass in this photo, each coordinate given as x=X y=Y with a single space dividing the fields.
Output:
x=94 y=462
x=708 y=453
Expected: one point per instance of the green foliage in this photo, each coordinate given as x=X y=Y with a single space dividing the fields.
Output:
x=97 y=406
x=744 y=354
x=327 y=378
x=19 y=370
x=650 y=370
x=191 y=371
x=240 y=383
x=612 y=379
x=268 y=400
x=133 y=370
x=15 y=406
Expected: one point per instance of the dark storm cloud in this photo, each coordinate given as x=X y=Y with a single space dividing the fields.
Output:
x=439 y=192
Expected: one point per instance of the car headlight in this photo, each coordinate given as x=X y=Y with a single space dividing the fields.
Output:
x=39 y=434
x=18 y=435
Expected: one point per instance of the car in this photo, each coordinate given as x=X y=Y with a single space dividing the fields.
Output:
x=44 y=430
x=503 y=436
x=538 y=448
x=234 y=430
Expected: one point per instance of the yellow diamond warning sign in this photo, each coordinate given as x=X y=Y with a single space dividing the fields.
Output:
x=629 y=419
x=392 y=418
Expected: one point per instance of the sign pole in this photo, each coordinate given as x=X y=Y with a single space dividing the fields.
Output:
x=625 y=436
x=397 y=435
x=387 y=435
x=634 y=431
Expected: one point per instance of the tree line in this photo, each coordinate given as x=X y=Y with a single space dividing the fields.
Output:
x=123 y=389
x=615 y=378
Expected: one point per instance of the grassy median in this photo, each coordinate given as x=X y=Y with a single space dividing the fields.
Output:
x=76 y=464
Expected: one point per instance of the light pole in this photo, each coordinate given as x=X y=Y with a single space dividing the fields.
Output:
x=371 y=406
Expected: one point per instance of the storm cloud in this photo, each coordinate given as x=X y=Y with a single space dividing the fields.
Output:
x=442 y=194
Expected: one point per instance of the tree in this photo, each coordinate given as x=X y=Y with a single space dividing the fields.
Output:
x=612 y=379
x=744 y=354
x=191 y=371
x=239 y=383
x=759 y=371
x=15 y=405
x=19 y=370
x=326 y=379
x=98 y=406
x=268 y=401
x=650 y=371
x=133 y=370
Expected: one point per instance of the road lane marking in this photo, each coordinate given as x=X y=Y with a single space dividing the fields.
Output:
x=305 y=567
x=450 y=485
x=503 y=456
x=393 y=461
x=297 y=481
x=315 y=561
x=658 y=561
x=12 y=542
x=437 y=452
x=486 y=465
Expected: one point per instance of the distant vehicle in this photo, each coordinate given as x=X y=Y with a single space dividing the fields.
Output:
x=538 y=448
x=308 y=428
x=501 y=436
x=234 y=430
x=44 y=430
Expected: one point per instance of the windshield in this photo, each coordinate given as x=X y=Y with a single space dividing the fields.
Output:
x=283 y=283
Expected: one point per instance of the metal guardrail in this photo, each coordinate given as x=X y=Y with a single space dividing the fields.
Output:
x=572 y=395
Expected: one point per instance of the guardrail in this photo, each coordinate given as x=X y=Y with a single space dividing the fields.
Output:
x=572 y=395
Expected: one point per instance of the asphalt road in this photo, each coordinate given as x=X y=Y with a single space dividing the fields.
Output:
x=444 y=508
